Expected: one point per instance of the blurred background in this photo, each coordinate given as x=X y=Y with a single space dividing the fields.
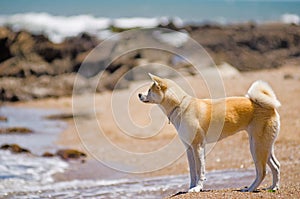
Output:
x=58 y=58
x=48 y=40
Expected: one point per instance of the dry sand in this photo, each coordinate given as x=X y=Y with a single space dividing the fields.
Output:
x=230 y=153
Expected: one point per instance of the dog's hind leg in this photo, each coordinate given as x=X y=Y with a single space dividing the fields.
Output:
x=275 y=168
x=273 y=163
x=260 y=153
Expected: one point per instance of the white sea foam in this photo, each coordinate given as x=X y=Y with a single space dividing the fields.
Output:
x=25 y=171
x=290 y=18
x=154 y=187
x=57 y=28
x=136 y=22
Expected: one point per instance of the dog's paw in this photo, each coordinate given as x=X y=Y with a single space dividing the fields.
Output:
x=198 y=188
x=246 y=189
x=271 y=188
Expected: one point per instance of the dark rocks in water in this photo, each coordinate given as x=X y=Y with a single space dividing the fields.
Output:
x=66 y=116
x=62 y=116
x=15 y=130
x=48 y=155
x=67 y=154
x=14 y=148
x=3 y=119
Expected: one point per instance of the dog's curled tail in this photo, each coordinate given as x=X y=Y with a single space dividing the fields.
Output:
x=261 y=93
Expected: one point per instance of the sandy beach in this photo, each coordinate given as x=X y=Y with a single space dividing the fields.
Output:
x=231 y=153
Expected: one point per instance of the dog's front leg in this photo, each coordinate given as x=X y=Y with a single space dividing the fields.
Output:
x=199 y=157
x=192 y=166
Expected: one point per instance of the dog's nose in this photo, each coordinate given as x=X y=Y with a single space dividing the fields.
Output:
x=140 y=95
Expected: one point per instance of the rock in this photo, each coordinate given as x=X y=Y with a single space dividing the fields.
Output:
x=48 y=155
x=141 y=72
x=288 y=76
x=81 y=43
x=32 y=87
x=3 y=119
x=116 y=79
x=50 y=51
x=14 y=148
x=156 y=55
x=21 y=67
x=62 y=116
x=227 y=70
x=67 y=154
x=36 y=50
x=4 y=44
x=15 y=130
x=127 y=60
x=22 y=44
x=32 y=67
x=250 y=46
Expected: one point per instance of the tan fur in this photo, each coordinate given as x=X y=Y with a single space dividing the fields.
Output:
x=201 y=121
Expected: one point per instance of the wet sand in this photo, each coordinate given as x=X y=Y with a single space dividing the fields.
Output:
x=231 y=153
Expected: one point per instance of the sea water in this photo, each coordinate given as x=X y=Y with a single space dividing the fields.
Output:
x=31 y=177
x=66 y=18
x=45 y=131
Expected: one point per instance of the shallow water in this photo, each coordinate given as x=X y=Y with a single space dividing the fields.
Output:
x=34 y=180
x=45 y=131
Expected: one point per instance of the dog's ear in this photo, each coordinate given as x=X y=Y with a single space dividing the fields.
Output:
x=159 y=82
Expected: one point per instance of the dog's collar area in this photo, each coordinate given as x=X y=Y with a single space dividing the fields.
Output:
x=174 y=109
x=171 y=113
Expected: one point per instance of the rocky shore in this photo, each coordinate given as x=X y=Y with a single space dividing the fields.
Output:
x=33 y=67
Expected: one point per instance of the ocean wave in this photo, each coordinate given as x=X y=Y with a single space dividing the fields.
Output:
x=132 y=187
x=57 y=28
x=27 y=171
x=290 y=18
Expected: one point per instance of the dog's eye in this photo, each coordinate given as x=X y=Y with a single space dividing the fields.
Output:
x=149 y=90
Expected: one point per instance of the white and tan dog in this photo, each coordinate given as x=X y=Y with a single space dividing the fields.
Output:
x=197 y=121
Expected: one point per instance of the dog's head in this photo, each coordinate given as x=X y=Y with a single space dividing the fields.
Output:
x=156 y=92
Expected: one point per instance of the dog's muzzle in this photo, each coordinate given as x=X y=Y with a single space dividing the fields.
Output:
x=143 y=98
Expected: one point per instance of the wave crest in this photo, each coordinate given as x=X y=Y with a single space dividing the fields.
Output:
x=57 y=28
x=290 y=19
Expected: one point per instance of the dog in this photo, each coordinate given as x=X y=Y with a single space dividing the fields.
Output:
x=197 y=120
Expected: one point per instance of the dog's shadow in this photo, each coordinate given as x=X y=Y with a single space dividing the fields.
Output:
x=179 y=193
x=185 y=192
